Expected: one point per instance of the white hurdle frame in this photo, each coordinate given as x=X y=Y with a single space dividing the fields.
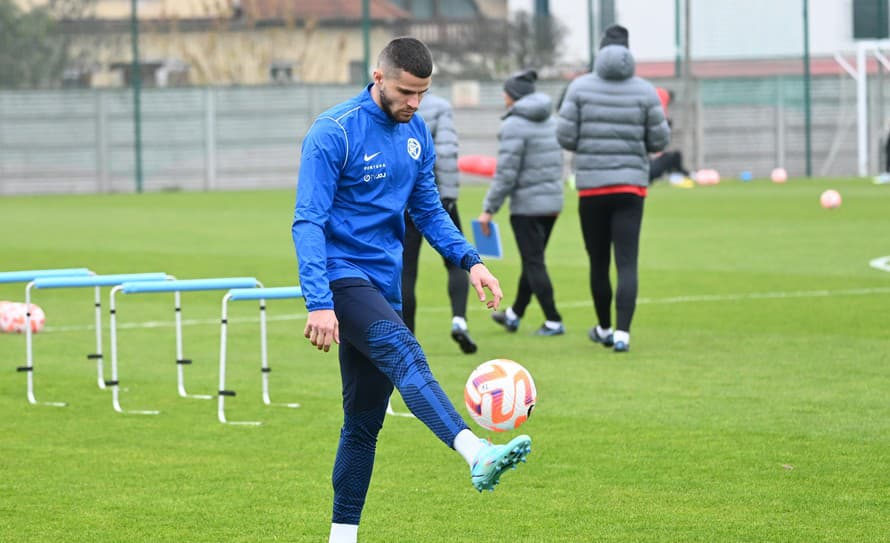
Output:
x=176 y=286
x=96 y=281
x=260 y=294
x=26 y=276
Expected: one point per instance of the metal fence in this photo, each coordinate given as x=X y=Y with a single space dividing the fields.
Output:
x=82 y=141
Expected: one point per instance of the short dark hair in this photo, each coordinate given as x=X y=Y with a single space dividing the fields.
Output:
x=406 y=53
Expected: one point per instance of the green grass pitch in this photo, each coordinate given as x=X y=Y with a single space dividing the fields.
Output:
x=754 y=405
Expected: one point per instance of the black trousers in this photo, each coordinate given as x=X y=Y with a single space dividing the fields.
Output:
x=612 y=221
x=666 y=162
x=532 y=234
x=458 y=280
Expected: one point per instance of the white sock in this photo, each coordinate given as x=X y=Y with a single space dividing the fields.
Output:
x=553 y=325
x=621 y=335
x=468 y=445
x=603 y=332
x=460 y=322
x=510 y=314
x=343 y=533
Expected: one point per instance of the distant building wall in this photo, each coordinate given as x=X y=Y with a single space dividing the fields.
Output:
x=237 y=56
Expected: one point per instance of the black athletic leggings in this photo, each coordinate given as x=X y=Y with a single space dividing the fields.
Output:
x=458 y=280
x=606 y=221
x=532 y=234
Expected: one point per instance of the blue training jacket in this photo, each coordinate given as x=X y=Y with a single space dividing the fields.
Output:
x=359 y=171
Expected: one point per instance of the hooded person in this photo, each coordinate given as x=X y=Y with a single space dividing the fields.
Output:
x=612 y=120
x=529 y=173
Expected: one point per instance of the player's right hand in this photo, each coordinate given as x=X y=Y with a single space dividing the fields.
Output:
x=322 y=329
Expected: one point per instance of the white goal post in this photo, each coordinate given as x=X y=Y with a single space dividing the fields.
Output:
x=864 y=48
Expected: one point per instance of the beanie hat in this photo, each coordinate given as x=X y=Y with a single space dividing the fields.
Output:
x=520 y=84
x=615 y=35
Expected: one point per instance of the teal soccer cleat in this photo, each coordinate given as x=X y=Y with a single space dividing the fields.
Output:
x=493 y=460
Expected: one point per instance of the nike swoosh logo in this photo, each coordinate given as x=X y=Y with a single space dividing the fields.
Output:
x=371 y=157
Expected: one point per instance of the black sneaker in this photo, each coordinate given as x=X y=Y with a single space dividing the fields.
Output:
x=501 y=318
x=462 y=337
x=595 y=337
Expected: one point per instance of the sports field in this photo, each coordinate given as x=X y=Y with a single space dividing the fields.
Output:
x=754 y=405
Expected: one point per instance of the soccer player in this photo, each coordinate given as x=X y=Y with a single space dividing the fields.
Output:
x=437 y=113
x=364 y=162
x=612 y=120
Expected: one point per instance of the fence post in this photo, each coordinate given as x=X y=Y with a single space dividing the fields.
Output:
x=209 y=139
x=698 y=119
x=101 y=142
x=780 y=123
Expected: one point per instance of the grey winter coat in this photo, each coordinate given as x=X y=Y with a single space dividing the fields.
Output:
x=529 y=168
x=438 y=115
x=612 y=120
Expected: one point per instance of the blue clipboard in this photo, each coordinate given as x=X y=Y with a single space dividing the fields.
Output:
x=490 y=245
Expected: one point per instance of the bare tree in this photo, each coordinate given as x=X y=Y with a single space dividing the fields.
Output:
x=33 y=51
x=535 y=41
x=489 y=50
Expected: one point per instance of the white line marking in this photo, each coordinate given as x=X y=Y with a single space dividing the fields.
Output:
x=576 y=303
x=882 y=263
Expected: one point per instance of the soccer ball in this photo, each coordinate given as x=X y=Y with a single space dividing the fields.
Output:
x=13 y=318
x=707 y=177
x=500 y=395
x=830 y=199
x=779 y=175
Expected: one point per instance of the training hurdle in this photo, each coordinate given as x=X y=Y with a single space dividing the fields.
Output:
x=260 y=294
x=96 y=281
x=175 y=286
x=26 y=276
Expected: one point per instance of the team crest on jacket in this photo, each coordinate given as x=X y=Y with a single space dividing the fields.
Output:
x=414 y=148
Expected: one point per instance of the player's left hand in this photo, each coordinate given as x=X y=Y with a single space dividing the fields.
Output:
x=481 y=279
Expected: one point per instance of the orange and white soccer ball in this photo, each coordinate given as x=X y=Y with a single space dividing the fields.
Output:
x=13 y=318
x=500 y=395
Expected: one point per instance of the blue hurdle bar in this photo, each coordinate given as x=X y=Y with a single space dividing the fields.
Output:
x=261 y=294
x=77 y=281
x=26 y=276
x=175 y=286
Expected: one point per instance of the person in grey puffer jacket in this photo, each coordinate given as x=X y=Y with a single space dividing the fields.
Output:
x=612 y=120
x=529 y=172
x=437 y=113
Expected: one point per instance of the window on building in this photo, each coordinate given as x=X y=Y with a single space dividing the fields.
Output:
x=439 y=9
x=283 y=71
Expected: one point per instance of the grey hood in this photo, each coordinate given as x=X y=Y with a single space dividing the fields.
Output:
x=535 y=107
x=614 y=63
